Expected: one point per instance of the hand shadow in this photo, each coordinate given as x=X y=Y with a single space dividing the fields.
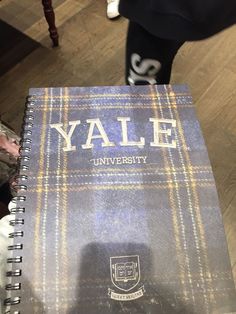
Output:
x=111 y=271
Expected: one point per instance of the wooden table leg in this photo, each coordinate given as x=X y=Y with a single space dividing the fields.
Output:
x=50 y=17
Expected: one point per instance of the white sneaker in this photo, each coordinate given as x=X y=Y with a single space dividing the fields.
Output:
x=112 y=8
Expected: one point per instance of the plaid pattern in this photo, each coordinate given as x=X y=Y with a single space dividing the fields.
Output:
x=80 y=214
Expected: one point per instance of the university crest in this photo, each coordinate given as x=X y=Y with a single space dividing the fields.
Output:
x=125 y=276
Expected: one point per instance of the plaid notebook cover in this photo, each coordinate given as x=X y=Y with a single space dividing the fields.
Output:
x=121 y=212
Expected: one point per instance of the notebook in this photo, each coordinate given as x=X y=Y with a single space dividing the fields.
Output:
x=116 y=210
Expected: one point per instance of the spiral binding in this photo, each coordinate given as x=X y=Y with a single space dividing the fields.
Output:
x=19 y=208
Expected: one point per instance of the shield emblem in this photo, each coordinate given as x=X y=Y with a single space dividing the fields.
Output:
x=125 y=271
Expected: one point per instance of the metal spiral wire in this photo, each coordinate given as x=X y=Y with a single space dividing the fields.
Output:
x=19 y=209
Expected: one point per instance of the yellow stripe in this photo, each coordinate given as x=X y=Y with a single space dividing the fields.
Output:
x=119 y=187
x=172 y=201
x=196 y=205
x=37 y=234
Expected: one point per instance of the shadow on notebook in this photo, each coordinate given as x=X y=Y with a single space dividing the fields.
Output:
x=118 y=278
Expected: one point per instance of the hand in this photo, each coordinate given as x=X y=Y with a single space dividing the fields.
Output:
x=9 y=145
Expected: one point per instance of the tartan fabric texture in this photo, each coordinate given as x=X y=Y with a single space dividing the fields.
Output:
x=120 y=229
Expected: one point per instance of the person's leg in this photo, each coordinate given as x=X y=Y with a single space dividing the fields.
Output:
x=148 y=58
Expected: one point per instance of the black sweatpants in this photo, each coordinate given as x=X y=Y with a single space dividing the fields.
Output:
x=148 y=58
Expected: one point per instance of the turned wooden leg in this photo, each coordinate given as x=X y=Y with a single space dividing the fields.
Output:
x=50 y=17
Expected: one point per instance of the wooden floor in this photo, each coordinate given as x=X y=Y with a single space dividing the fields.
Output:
x=91 y=52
